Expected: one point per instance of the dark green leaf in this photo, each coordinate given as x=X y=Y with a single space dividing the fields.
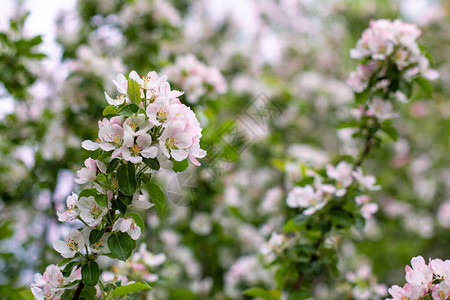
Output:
x=65 y=261
x=180 y=166
x=127 y=178
x=125 y=199
x=110 y=110
x=112 y=165
x=128 y=110
x=121 y=245
x=95 y=236
x=130 y=288
x=153 y=163
x=156 y=196
x=89 y=293
x=68 y=268
x=118 y=204
x=90 y=273
x=134 y=92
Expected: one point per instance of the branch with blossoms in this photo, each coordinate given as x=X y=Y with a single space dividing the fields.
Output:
x=334 y=199
x=146 y=128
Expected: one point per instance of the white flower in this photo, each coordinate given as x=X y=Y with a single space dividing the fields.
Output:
x=305 y=197
x=342 y=173
x=129 y=226
x=72 y=212
x=381 y=109
x=137 y=145
x=87 y=174
x=201 y=224
x=90 y=211
x=121 y=83
x=367 y=181
x=73 y=243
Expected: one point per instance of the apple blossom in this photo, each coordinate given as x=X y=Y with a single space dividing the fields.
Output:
x=72 y=212
x=367 y=181
x=73 y=243
x=87 y=174
x=90 y=211
x=129 y=226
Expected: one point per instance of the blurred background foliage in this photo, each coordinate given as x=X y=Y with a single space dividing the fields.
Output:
x=291 y=54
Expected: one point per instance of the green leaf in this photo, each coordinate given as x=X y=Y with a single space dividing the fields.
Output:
x=130 y=288
x=305 y=181
x=110 y=110
x=406 y=88
x=68 y=268
x=27 y=294
x=134 y=92
x=101 y=200
x=290 y=226
x=153 y=163
x=127 y=178
x=95 y=236
x=301 y=218
x=128 y=110
x=121 y=245
x=87 y=193
x=112 y=165
x=68 y=294
x=64 y=261
x=425 y=85
x=156 y=196
x=90 y=273
x=89 y=293
x=349 y=124
x=391 y=132
x=258 y=292
x=180 y=166
x=300 y=295
x=118 y=204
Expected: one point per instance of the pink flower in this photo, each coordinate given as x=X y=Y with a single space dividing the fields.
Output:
x=72 y=212
x=367 y=181
x=129 y=226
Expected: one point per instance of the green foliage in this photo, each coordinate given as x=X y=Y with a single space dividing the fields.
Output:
x=126 y=174
x=90 y=273
x=156 y=196
x=130 y=288
x=121 y=245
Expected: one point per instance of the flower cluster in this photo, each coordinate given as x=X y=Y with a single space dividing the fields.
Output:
x=424 y=281
x=149 y=128
x=52 y=284
x=388 y=47
x=159 y=127
x=195 y=77
x=339 y=178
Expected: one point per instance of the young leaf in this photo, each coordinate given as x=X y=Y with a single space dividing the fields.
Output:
x=121 y=245
x=134 y=92
x=130 y=288
x=90 y=273
x=27 y=294
x=95 y=236
x=425 y=85
x=127 y=178
x=153 y=163
x=180 y=166
x=258 y=292
x=110 y=110
x=156 y=195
